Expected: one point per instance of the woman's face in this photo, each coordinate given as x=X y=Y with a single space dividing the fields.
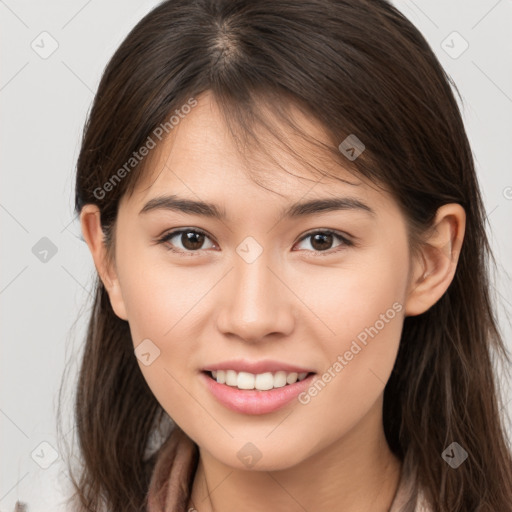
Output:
x=255 y=286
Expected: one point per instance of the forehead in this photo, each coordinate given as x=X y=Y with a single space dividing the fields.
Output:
x=199 y=158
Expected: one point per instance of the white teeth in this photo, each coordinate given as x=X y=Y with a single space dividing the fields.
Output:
x=292 y=377
x=279 y=379
x=264 y=381
x=261 y=381
x=245 y=380
x=231 y=378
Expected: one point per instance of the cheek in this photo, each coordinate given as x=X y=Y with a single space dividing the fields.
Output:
x=159 y=302
x=166 y=305
x=354 y=296
x=363 y=308
x=159 y=296
x=160 y=307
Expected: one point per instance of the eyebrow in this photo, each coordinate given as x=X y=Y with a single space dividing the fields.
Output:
x=189 y=206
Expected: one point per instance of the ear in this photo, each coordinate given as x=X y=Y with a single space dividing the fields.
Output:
x=433 y=269
x=93 y=234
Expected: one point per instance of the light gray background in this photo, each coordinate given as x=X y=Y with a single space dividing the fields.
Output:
x=44 y=105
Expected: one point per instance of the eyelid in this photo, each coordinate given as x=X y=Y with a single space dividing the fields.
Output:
x=345 y=239
x=163 y=239
x=330 y=231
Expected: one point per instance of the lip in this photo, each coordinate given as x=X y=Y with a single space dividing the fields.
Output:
x=266 y=365
x=253 y=401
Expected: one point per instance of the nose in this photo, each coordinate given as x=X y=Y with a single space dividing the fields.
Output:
x=256 y=301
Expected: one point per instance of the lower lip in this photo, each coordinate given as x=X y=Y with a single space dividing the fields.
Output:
x=252 y=401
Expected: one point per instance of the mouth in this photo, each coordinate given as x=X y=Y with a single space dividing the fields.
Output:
x=259 y=382
x=254 y=394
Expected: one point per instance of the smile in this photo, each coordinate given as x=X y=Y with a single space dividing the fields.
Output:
x=260 y=381
x=263 y=393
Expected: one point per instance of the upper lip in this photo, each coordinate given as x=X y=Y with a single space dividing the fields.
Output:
x=256 y=367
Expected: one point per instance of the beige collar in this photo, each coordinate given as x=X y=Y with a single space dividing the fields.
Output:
x=174 y=470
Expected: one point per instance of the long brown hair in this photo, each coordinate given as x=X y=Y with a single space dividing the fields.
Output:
x=357 y=67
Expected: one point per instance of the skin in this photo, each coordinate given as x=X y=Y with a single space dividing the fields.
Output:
x=288 y=305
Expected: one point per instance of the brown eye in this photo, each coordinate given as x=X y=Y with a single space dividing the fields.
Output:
x=185 y=240
x=192 y=240
x=322 y=241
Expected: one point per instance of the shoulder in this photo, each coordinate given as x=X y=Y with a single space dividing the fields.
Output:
x=409 y=497
x=422 y=504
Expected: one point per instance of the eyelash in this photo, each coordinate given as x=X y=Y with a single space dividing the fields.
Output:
x=345 y=241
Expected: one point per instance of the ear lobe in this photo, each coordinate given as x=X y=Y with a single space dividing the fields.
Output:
x=94 y=237
x=433 y=271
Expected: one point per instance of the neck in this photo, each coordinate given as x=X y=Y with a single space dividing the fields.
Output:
x=356 y=472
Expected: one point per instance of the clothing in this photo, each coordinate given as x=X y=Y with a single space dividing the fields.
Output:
x=175 y=467
x=176 y=464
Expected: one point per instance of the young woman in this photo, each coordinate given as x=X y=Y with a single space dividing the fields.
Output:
x=293 y=305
